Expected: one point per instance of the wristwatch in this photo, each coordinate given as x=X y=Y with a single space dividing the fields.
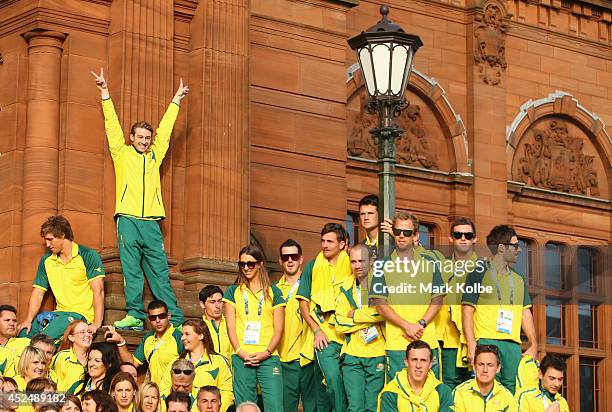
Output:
x=422 y=323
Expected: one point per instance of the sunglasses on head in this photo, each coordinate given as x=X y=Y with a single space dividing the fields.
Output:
x=467 y=235
x=159 y=316
x=406 y=232
x=186 y=372
x=294 y=256
x=250 y=265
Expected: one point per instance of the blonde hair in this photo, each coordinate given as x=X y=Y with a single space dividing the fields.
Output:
x=142 y=392
x=29 y=355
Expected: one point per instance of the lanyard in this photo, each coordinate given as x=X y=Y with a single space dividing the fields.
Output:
x=511 y=285
x=358 y=288
x=161 y=341
x=293 y=289
x=246 y=303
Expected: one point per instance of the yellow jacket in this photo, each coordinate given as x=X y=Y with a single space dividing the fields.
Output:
x=467 y=398
x=137 y=182
x=354 y=327
x=398 y=396
x=537 y=400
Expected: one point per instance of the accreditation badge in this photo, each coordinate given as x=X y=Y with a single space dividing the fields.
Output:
x=504 y=321
x=252 y=331
x=370 y=334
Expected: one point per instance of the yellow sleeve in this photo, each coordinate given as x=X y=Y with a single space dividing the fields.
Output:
x=224 y=383
x=114 y=133
x=344 y=323
x=164 y=131
x=367 y=315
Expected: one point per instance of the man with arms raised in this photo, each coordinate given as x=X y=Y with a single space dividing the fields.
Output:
x=75 y=275
x=415 y=388
x=408 y=316
x=139 y=206
x=484 y=393
x=497 y=315
x=158 y=348
x=546 y=397
x=318 y=291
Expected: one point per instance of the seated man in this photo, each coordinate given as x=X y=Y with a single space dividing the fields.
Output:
x=483 y=392
x=546 y=397
x=75 y=275
x=182 y=375
x=8 y=332
x=416 y=387
x=211 y=302
x=178 y=402
x=209 y=399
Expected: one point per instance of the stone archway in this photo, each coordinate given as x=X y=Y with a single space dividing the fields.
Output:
x=556 y=144
x=435 y=136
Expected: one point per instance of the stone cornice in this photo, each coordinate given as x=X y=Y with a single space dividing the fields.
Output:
x=521 y=190
x=50 y=19
x=454 y=178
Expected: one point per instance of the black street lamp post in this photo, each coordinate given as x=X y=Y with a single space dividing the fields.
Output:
x=385 y=53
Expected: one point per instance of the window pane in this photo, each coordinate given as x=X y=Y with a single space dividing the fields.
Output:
x=426 y=236
x=587 y=322
x=523 y=263
x=585 y=269
x=555 y=318
x=352 y=227
x=589 y=385
x=552 y=266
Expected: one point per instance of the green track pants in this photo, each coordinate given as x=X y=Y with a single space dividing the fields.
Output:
x=329 y=362
x=364 y=378
x=298 y=382
x=451 y=374
x=141 y=250
x=270 y=378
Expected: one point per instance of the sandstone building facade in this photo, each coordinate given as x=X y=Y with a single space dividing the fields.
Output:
x=509 y=122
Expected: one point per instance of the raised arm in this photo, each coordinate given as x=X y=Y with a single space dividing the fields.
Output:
x=164 y=130
x=114 y=132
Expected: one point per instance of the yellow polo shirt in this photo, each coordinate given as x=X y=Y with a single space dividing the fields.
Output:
x=211 y=370
x=467 y=398
x=7 y=363
x=17 y=345
x=355 y=327
x=235 y=296
x=67 y=368
x=294 y=332
x=219 y=337
x=407 y=293
x=487 y=304
x=159 y=353
x=448 y=320
x=69 y=282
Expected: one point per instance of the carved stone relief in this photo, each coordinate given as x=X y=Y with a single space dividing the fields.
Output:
x=490 y=46
x=415 y=147
x=553 y=158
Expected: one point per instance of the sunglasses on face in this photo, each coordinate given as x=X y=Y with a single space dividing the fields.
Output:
x=250 y=265
x=294 y=256
x=406 y=232
x=467 y=235
x=186 y=372
x=159 y=316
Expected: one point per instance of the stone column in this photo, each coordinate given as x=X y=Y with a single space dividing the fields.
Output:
x=217 y=159
x=41 y=154
x=487 y=120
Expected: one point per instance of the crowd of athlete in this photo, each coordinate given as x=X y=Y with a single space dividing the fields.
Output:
x=322 y=336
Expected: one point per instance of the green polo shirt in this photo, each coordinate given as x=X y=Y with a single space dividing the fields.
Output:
x=69 y=282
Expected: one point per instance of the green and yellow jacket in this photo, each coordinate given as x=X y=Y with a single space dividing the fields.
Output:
x=137 y=181
x=397 y=395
